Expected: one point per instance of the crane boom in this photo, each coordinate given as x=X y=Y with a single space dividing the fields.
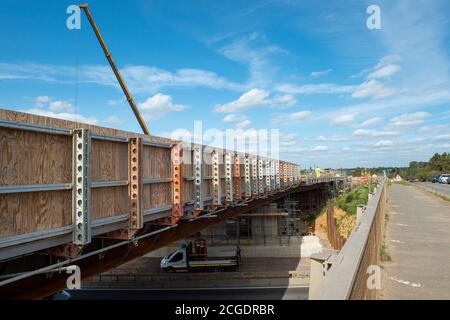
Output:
x=116 y=71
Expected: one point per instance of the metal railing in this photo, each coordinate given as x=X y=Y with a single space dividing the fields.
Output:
x=346 y=273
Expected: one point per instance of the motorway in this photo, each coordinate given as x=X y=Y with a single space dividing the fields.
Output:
x=417 y=238
x=437 y=187
x=230 y=293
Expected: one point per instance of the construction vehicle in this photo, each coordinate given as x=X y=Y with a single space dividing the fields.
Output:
x=195 y=255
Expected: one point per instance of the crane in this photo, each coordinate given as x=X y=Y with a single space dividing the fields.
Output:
x=116 y=71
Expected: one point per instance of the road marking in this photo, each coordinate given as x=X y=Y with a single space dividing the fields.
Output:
x=397 y=241
x=411 y=284
x=401 y=225
x=396 y=213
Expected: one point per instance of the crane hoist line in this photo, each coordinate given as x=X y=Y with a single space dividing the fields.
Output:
x=116 y=71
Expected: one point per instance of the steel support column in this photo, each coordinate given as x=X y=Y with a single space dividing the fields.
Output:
x=177 y=183
x=247 y=178
x=216 y=181
x=237 y=177
x=136 y=186
x=228 y=178
x=81 y=196
x=198 y=181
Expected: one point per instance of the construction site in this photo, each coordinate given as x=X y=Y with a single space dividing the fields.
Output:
x=106 y=193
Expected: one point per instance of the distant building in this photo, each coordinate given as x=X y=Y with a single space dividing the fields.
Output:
x=398 y=178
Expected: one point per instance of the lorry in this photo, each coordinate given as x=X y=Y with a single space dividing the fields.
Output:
x=195 y=255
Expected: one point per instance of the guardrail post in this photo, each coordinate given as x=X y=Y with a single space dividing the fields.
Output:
x=198 y=179
x=177 y=183
x=228 y=178
x=81 y=195
x=136 y=186
x=247 y=179
x=217 y=196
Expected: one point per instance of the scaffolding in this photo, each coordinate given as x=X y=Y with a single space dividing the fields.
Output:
x=288 y=225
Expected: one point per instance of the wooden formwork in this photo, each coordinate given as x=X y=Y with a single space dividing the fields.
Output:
x=38 y=163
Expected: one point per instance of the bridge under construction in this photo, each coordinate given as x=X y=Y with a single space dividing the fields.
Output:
x=73 y=193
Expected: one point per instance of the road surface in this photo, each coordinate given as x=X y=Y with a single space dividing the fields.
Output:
x=418 y=240
x=437 y=187
x=236 y=293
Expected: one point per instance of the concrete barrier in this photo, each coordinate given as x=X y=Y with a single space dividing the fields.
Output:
x=346 y=274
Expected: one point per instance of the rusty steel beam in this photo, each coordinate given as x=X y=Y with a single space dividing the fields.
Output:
x=177 y=183
x=40 y=285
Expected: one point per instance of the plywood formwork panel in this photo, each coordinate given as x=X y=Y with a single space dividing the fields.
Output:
x=22 y=213
x=157 y=195
x=34 y=158
x=156 y=162
x=109 y=160
x=108 y=202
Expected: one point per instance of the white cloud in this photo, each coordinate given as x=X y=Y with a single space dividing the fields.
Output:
x=435 y=128
x=324 y=88
x=384 y=72
x=384 y=64
x=140 y=78
x=54 y=105
x=443 y=137
x=292 y=117
x=60 y=105
x=254 y=98
x=318 y=74
x=344 y=119
x=384 y=143
x=232 y=117
x=243 y=124
x=375 y=133
x=321 y=148
x=332 y=138
x=371 y=121
x=254 y=52
x=372 y=89
x=286 y=100
x=409 y=119
x=158 y=105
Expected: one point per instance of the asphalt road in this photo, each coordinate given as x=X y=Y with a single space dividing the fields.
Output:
x=438 y=187
x=235 y=293
x=418 y=240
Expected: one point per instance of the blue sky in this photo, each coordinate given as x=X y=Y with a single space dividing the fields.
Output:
x=340 y=94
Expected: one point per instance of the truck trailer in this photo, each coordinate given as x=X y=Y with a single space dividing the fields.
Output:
x=194 y=255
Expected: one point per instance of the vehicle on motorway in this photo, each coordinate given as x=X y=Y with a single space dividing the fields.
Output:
x=413 y=180
x=195 y=255
x=436 y=177
x=443 y=178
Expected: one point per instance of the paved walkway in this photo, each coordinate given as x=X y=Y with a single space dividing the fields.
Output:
x=418 y=240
